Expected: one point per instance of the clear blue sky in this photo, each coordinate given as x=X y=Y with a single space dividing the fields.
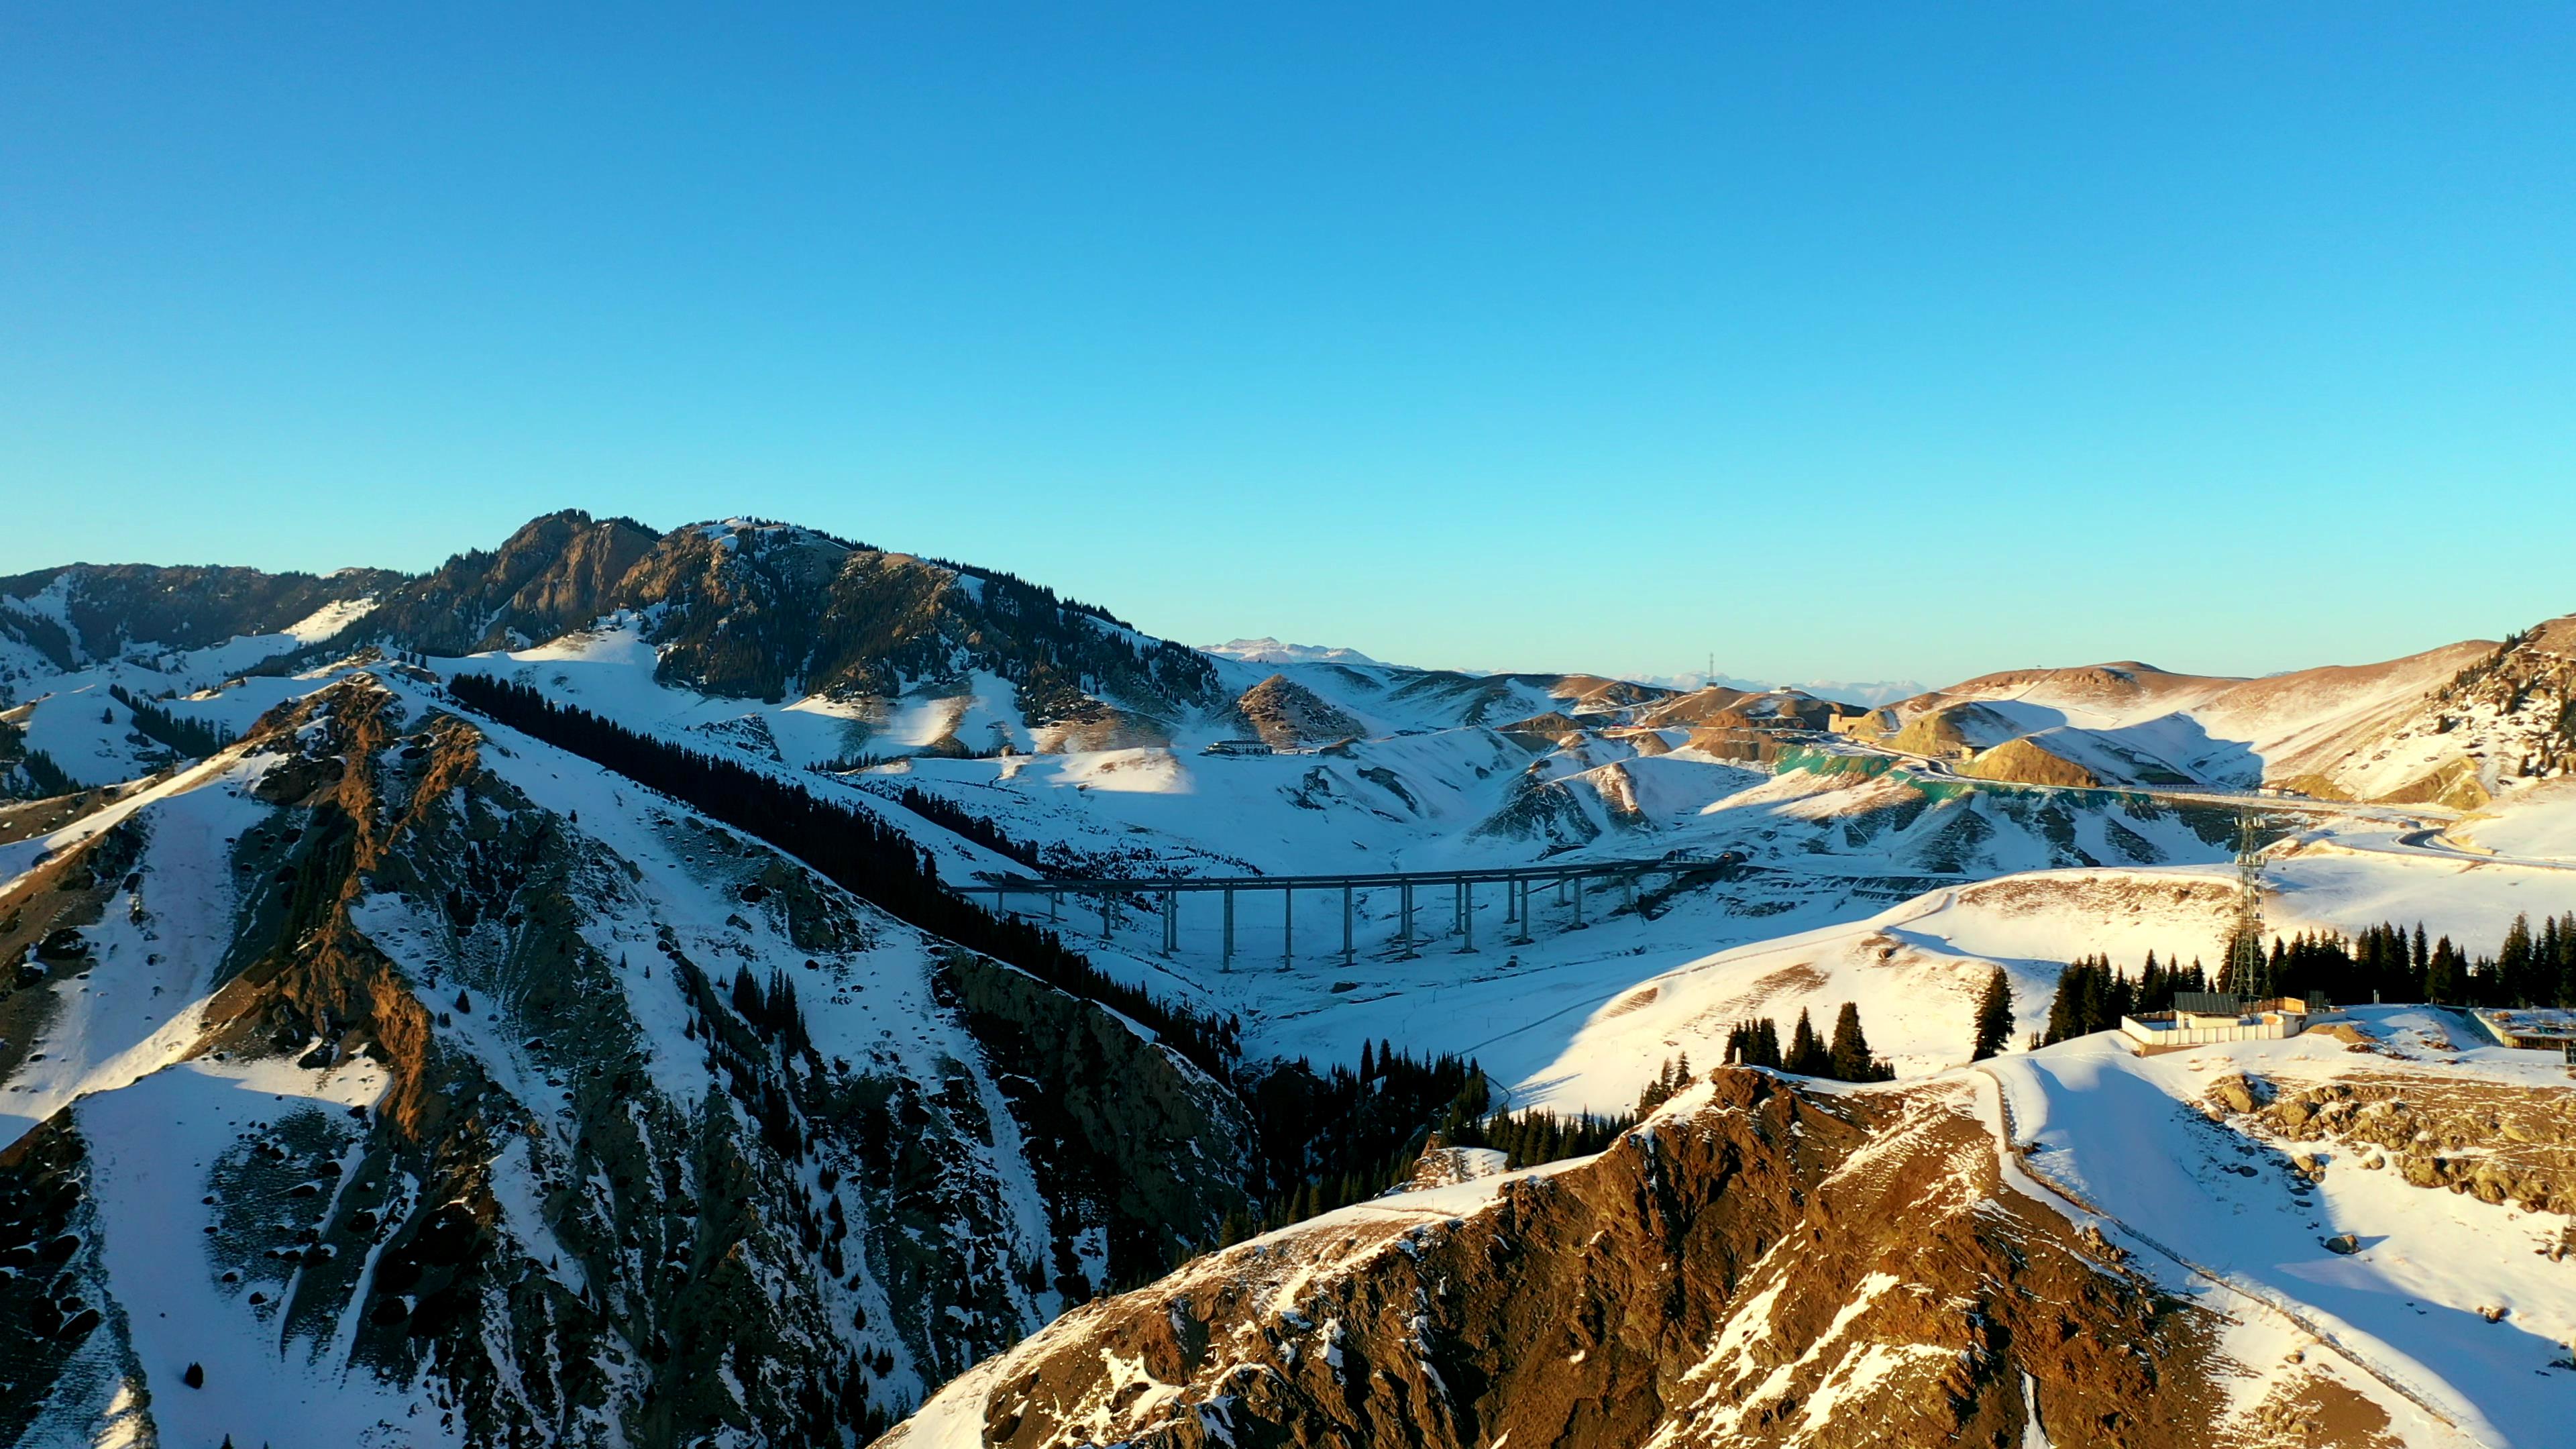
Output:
x=1841 y=341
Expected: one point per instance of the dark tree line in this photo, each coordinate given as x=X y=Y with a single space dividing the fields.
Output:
x=2530 y=968
x=194 y=739
x=2385 y=962
x=1668 y=1083
x=848 y=846
x=958 y=820
x=773 y=1011
x=1341 y=1135
x=1529 y=1138
x=2092 y=994
x=44 y=777
x=1994 y=1016
x=1845 y=1057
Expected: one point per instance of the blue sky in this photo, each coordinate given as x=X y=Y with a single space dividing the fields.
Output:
x=1886 y=341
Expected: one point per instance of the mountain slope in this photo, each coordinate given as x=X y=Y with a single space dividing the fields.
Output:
x=65 y=619
x=523 y=1103
x=1763 y=1263
x=2451 y=725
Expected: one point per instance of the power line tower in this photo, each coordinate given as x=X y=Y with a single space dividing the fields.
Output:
x=2248 y=973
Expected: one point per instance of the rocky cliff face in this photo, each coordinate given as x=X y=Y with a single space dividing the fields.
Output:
x=556 y=573
x=1762 y=1263
x=757 y=610
x=354 y=1080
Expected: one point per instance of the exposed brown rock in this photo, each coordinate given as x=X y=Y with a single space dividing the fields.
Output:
x=1287 y=715
x=1733 y=1275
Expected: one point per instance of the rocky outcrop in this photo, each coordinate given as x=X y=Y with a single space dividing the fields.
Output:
x=2494 y=1142
x=756 y=609
x=1758 y=1265
x=2030 y=763
x=1953 y=729
x=1288 y=716
x=1538 y=809
x=1541 y=732
x=556 y=573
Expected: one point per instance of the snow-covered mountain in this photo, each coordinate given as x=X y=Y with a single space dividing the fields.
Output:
x=418 y=1076
x=2456 y=726
x=1267 y=650
x=1868 y=694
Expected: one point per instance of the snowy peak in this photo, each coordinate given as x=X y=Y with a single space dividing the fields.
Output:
x=1267 y=650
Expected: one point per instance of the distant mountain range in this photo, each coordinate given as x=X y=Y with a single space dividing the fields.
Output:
x=1868 y=694
x=1266 y=650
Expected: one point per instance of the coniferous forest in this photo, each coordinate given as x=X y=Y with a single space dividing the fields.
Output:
x=848 y=846
x=193 y=739
x=2386 y=962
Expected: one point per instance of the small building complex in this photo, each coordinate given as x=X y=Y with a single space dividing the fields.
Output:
x=2202 y=1018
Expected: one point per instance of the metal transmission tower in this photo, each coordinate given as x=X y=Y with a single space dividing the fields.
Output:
x=2248 y=973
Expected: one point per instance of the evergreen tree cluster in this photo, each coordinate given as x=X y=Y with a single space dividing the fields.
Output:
x=1755 y=1043
x=1332 y=1138
x=1529 y=1138
x=2092 y=994
x=1340 y=1136
x=193 y=739
x=1845 y=1057
x=2531 y=968
x=2386 y=962
x=1668 y=1083
x=958 y=820
x=848 y=764
x=773 y=1011
x=45 y=779
x=847 y=846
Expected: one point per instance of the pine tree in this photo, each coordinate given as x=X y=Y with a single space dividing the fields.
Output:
x=1994 y=1017
x=2515 y=965
x=1807 y=1055
x=1851 y=1061
x=2443 y=985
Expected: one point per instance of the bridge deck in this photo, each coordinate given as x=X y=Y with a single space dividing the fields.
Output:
x=1156 y=885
